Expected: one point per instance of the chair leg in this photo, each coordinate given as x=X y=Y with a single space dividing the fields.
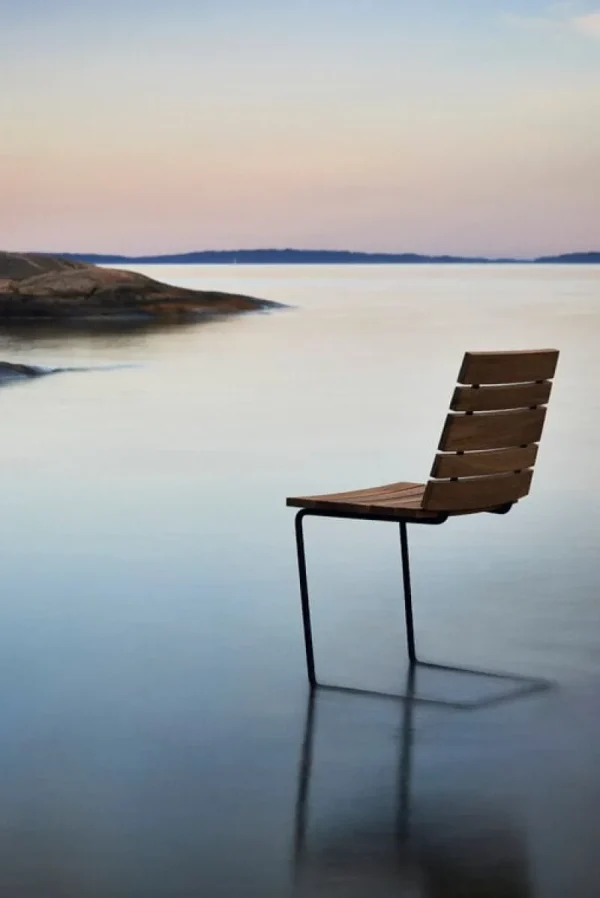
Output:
x=408 y=611
x=306 y=622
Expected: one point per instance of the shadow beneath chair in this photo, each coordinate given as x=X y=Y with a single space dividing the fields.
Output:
x=373 y=841
x=419 y=671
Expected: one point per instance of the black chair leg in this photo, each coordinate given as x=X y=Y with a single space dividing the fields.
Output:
x=408 y=611
x=306 y=622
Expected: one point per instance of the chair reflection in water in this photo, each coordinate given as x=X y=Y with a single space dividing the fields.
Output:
x=484 y=463
x=457 y=848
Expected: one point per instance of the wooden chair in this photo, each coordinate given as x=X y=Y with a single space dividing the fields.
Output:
x=484 y=463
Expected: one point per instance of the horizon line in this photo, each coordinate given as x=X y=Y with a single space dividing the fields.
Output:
x=312 y=251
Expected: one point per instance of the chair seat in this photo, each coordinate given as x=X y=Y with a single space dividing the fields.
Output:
x=392 y=500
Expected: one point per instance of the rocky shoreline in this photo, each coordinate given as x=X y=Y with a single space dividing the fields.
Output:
x=14 y=371
x=34 y=287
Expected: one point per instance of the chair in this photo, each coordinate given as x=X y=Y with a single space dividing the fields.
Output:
x=484 y=463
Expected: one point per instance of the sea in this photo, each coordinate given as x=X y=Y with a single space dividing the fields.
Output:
x=152 y=671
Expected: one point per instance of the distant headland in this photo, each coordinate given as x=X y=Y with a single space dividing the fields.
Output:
x=320 y=257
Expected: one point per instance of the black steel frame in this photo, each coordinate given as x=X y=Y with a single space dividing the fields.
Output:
x=525 y=684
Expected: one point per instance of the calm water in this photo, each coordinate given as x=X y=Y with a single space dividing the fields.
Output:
x=152 y=683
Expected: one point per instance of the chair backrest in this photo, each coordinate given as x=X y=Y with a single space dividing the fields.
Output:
x=489 y=443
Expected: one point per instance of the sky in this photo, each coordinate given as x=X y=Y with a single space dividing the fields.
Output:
x=143 y=126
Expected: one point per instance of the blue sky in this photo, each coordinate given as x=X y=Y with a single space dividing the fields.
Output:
x=468 y=127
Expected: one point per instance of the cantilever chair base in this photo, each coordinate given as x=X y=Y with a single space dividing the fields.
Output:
x=524 y=685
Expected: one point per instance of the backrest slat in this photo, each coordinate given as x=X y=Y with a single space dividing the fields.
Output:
x=477 y=493
x=508 y=367
x=491 y=399
x=489 y=442
x=492 y=430
x=478 y=464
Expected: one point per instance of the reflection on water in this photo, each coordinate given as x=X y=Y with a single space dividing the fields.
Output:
x=460 y=851
x=23 y=335
x=153 y=684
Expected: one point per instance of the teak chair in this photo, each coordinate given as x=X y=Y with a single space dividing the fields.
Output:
x=484 y=463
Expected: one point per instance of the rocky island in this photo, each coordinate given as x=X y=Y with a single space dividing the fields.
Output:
x=38 y=286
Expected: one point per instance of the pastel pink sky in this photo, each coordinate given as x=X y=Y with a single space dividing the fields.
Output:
x=457 y=127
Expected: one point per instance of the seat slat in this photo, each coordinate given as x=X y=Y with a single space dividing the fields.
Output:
x=390 y=494
x=390 y=500
x=494 y=430
x=489 y=399
x=478 y=493
x=508 y=367
x=476 y=464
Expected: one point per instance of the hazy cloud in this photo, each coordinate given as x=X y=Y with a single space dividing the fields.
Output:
x=559 y=18
x=589 y=24
x=532 y=23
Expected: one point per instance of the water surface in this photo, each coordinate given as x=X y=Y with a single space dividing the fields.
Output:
x=153 y=684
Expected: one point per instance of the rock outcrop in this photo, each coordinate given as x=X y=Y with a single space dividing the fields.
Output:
x=17 y=266
x=65 y=289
